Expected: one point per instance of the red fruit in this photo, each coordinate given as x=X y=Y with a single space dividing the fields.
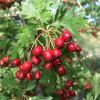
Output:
x=59 y=42
x=56 y=53
x=36 y=60
x=16 y=62
x=37 y=51
x=73 y=93
x=57 y=62
x=60 y=92
x=47 y=55
x=1 y=62
x=48 y=66
x=20 y=75
x=78 y=49
x=28 y=76
x=37 y=75
x=87 y=86
x=69 y=83
x=6 y=59
x=61 y=70
x=66 y=35
x=71 y=47
x=27 y=66
x=68 y=93
x=21 y=67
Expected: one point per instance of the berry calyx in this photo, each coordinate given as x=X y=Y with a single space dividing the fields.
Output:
x=57 y=62
x=87 y=86
x=71 y=47
x=20 y=75
x=28 y=76
x=16 y=62
x=27 y=66
x=61 y=70
x=37 y=51
x=78 y=49
x=47 y=55
x=48 y=66
x=56 y=53
x=59 y=42
x=36 y=60
x=69 y=83
x=66 y=35
x=37 y=75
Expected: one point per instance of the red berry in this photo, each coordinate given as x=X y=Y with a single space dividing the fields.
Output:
x=20 y=75
x=16 y=62
x=56 y=53
x=66 y=35
x=87 y=86
x=61 y=70
x=1 y=62
x=28 y=76
x=6 y=59
x=37 y=51
x=27 y=66
x=60 y=92
x=57 y=61
x=36 y=60
x=73 y=93
x=47 y=55
x=68 y=93
x=48 y=66
x=71 y=47
x=78 y=49
x=59 y=42
x=69 y=83
x=21 y=67
x=37 y=75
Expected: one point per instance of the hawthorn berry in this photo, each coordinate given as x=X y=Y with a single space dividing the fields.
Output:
x=73 y=93
x=87 y=86
x=59 y=42
x=71 y=47
x=61 y=92
x=16 y=62
x=78 y=49
x=27 y=66
x=57 y=62
x=47 y=55
x=48 y=66
x=37 y=75
x=1 y=62
x=36 y=60
x=69 y=83
x=20 y=75
x=5 y=59
x=68 y=93
x=61 y=70
x=29 y=76
x=56 y=53
x=66 y=35
x=37 y=51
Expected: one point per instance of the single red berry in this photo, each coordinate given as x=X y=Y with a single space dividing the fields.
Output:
x=6 y=59
x=27 y=66
x=57 y=62
x=69 y=83
x=47 y=55
x=56 y=53
x=36 y=60
x=20 y=75
x=60 y=92
x=16 y=62
x=48 y=66
x=73 y=93
x=87 y=86
x=37 y=75
x=28 y=76
x=68 y=93
x=1 y=62
x=71 y=47
x=61 y=70
x=59 y=42
x=78 y=49
x=21 y=67
x=66 y=35
x=37 y=51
